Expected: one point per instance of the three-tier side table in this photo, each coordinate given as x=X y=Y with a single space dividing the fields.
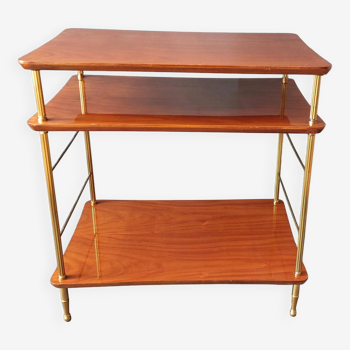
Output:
x=120 y=242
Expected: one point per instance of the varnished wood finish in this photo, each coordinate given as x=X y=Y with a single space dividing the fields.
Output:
x=180 y=242
x=117 y=50
x=178 y=104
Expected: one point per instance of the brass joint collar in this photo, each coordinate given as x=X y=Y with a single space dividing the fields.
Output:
x=42 y=119
x=80 y=75
x=62 y=278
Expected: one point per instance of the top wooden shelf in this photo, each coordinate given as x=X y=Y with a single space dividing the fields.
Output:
x=125 y=50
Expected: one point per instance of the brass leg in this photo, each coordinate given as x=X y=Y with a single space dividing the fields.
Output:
x=51 y=192
x=304 y=203
x=87 y=137
x=303 y=215
x=306 y=190
x=307 y=175
x=53 y=205
x=55 y=222
x=65 y=303
x=295 y=297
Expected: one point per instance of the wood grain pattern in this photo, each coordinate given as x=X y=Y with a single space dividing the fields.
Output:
x=181 y=242
x=178 y=104
x=118 y=50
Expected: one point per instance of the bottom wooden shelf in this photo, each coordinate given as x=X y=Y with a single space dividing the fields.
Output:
x=181 y=242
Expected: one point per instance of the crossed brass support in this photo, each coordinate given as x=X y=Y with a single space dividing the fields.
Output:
x=50 y=181
x=306 y=184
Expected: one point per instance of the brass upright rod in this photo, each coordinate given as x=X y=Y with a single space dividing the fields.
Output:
x=314 y=100
x=284 y=93
x=87 y=137
x=304 y=203
x=39 y=96
x=280 y=141
x=307 y=175
x=53 y=204
x=82 y=91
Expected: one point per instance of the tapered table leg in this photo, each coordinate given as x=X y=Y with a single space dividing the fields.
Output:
x=65 y=303
x=295 y=297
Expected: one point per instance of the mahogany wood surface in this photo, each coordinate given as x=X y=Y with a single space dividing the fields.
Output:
x=181 y=242
x=126 y=50
x=117 y=103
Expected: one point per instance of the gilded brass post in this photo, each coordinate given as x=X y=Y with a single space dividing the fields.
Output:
x=314 y=100
x=82 y=92
x=304 y=203
x=284 y=92
x=65 y=303
x=307 y=175
x=87 y=137
x=280 y=141
x=39 y=96
x=295 y=297
x=53 y=205
x=306 y=190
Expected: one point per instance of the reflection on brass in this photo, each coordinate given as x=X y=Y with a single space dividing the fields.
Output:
x=314 y=100
x=53 y=204
x=65 y=303
x=97 y=255
x=87 y=137
x=295 y=151
x=295 y=297
x=289 y=205
x=97 y=251
x=39 y=96
x=304 y=202
x=65 y=150
x=278 y=168
x=94 y=220
x=75 y=204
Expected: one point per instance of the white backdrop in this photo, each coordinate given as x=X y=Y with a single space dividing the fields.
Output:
x=171 y=166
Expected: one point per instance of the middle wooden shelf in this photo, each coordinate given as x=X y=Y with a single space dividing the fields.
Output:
x=124 y=103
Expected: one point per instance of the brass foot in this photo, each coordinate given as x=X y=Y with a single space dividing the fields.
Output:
x=295 y=297
x=65 y=303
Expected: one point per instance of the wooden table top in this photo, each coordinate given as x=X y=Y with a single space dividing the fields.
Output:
x=117 y=103
x=180 y=242
x=126 y=50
